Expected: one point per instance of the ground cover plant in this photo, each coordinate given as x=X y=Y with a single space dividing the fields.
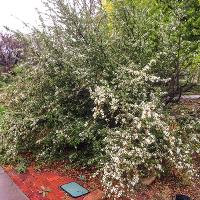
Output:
x=93 y=88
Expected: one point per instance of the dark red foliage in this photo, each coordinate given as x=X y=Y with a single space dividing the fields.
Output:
x=11 y=51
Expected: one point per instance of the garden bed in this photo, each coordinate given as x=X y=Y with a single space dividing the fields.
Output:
x=35 y=179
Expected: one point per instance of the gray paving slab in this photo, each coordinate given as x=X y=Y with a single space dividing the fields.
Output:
x=8 y=189
x=190 y=97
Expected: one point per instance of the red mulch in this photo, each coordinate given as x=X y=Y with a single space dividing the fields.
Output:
x=32 y=181
x=52 y=177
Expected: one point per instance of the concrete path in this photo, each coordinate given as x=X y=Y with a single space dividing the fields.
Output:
x=8 y=189
x=190 y=97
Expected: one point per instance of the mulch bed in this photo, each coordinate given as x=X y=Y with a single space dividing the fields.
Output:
x=34 y=180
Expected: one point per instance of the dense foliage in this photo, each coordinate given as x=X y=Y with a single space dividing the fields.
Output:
x=91 y=90
x=167 y=31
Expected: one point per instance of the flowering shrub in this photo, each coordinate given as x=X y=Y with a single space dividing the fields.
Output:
x=54 y=120
x=141 y=141
x=88 y=95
